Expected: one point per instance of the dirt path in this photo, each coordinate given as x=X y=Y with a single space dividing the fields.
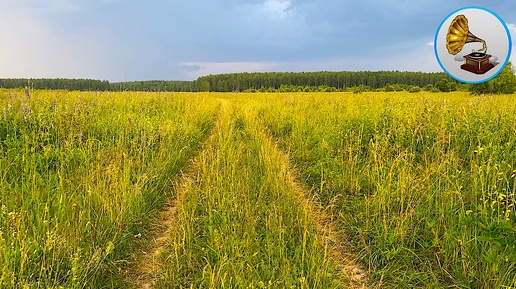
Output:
x=145 y=272
x=147 y=262
x=353 y=274
x=346 y=263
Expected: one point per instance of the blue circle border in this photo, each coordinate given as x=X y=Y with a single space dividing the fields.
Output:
x=506 y=31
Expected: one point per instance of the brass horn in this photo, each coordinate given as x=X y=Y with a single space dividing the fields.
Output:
x=459 y=34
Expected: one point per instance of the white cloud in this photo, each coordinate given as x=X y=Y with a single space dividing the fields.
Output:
x=277 y=7
x=512 y=27
x=512 y=30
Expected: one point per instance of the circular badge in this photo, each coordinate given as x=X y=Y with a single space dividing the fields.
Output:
x=472 y=45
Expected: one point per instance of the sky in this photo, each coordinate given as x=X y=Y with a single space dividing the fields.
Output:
x=128 y=40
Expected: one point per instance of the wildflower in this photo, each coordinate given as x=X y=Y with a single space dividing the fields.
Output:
x=25 y=111
x=27 y=93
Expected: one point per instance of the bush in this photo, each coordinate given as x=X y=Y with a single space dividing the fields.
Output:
x=504 y=83
x=443 y=85
x=361 y=88
x=388 y=87
x=428 y=87
x=414 y=89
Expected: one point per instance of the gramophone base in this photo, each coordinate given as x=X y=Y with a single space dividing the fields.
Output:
x=476 y=70
x=477 y=65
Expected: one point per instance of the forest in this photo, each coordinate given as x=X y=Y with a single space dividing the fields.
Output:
x=338 y=80
x=322 y=81
x=239 y=82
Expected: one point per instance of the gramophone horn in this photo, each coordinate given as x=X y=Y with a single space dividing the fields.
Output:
x=458 y=35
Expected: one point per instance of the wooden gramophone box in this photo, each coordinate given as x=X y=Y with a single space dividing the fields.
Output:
x=477 y=63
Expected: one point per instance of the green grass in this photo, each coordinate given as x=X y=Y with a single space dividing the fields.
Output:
x=79 y=174
x=423 y=185
x=240 y=223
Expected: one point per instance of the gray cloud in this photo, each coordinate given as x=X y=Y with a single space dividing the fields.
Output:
x=132 y=40
x=192 y=68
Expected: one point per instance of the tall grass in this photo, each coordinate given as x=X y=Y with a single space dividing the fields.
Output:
x=423 y=185
x=79 y=174
x=239 y=222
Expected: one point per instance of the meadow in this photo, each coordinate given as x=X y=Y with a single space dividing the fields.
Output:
x=270 y=190
x=422 y=185
x=79 y=175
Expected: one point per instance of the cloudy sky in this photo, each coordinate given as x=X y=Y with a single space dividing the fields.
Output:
x=124 y=40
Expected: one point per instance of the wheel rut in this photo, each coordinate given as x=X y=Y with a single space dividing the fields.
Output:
x=148 y=260
x=352 y=274
x=144 y=273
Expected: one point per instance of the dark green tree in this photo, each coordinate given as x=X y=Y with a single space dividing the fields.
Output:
x=443 y=85
x=388 y=87
x=503 y=83
x=414 y=89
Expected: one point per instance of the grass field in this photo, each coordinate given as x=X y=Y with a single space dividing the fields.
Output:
x=280 y=190
x=422 y=185
x=79 y=172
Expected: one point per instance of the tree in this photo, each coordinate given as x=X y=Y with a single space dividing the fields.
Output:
x=414 y=89
x=428 y=87
x=388 y=87
x=503 y=83
x=443 y=85
x=360 y=88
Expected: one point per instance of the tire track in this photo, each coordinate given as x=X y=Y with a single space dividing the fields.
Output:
x=147 y=261
x=149 y=267
x=354 y=276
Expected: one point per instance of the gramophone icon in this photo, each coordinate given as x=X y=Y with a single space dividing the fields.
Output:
x=478 y=61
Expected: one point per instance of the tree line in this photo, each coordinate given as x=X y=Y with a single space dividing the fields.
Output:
x=56 y=83
x=96 y=85
x=239 y=82
x=338 y=80
x=355 y=81
x=153 y=85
